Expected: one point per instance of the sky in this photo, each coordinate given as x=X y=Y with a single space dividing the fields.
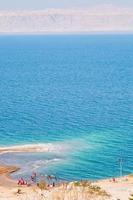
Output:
x=42 y=4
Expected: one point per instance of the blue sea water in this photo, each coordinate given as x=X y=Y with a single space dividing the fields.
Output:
x=74 y=90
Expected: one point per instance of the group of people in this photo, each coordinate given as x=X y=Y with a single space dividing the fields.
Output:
x=33 y=179
x=22 y=181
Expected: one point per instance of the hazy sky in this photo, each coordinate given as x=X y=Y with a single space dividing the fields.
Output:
x=41 y=4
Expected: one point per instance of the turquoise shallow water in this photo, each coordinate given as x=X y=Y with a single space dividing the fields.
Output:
x=76 y=91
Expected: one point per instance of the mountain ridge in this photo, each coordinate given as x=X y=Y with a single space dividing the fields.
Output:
x=67 y=20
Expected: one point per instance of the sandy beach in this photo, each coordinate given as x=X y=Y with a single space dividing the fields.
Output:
x=121 y=189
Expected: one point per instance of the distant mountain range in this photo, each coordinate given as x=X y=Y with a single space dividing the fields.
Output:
x=103 y=19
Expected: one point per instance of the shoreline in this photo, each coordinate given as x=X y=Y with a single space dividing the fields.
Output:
x=38 y=148
x=5 y=175
x=116 y=188
x=121 y=188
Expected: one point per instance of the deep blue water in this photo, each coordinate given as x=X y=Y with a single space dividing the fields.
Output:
x=72 y=90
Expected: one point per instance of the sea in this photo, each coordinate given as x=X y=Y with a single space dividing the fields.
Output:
x=73 y=92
